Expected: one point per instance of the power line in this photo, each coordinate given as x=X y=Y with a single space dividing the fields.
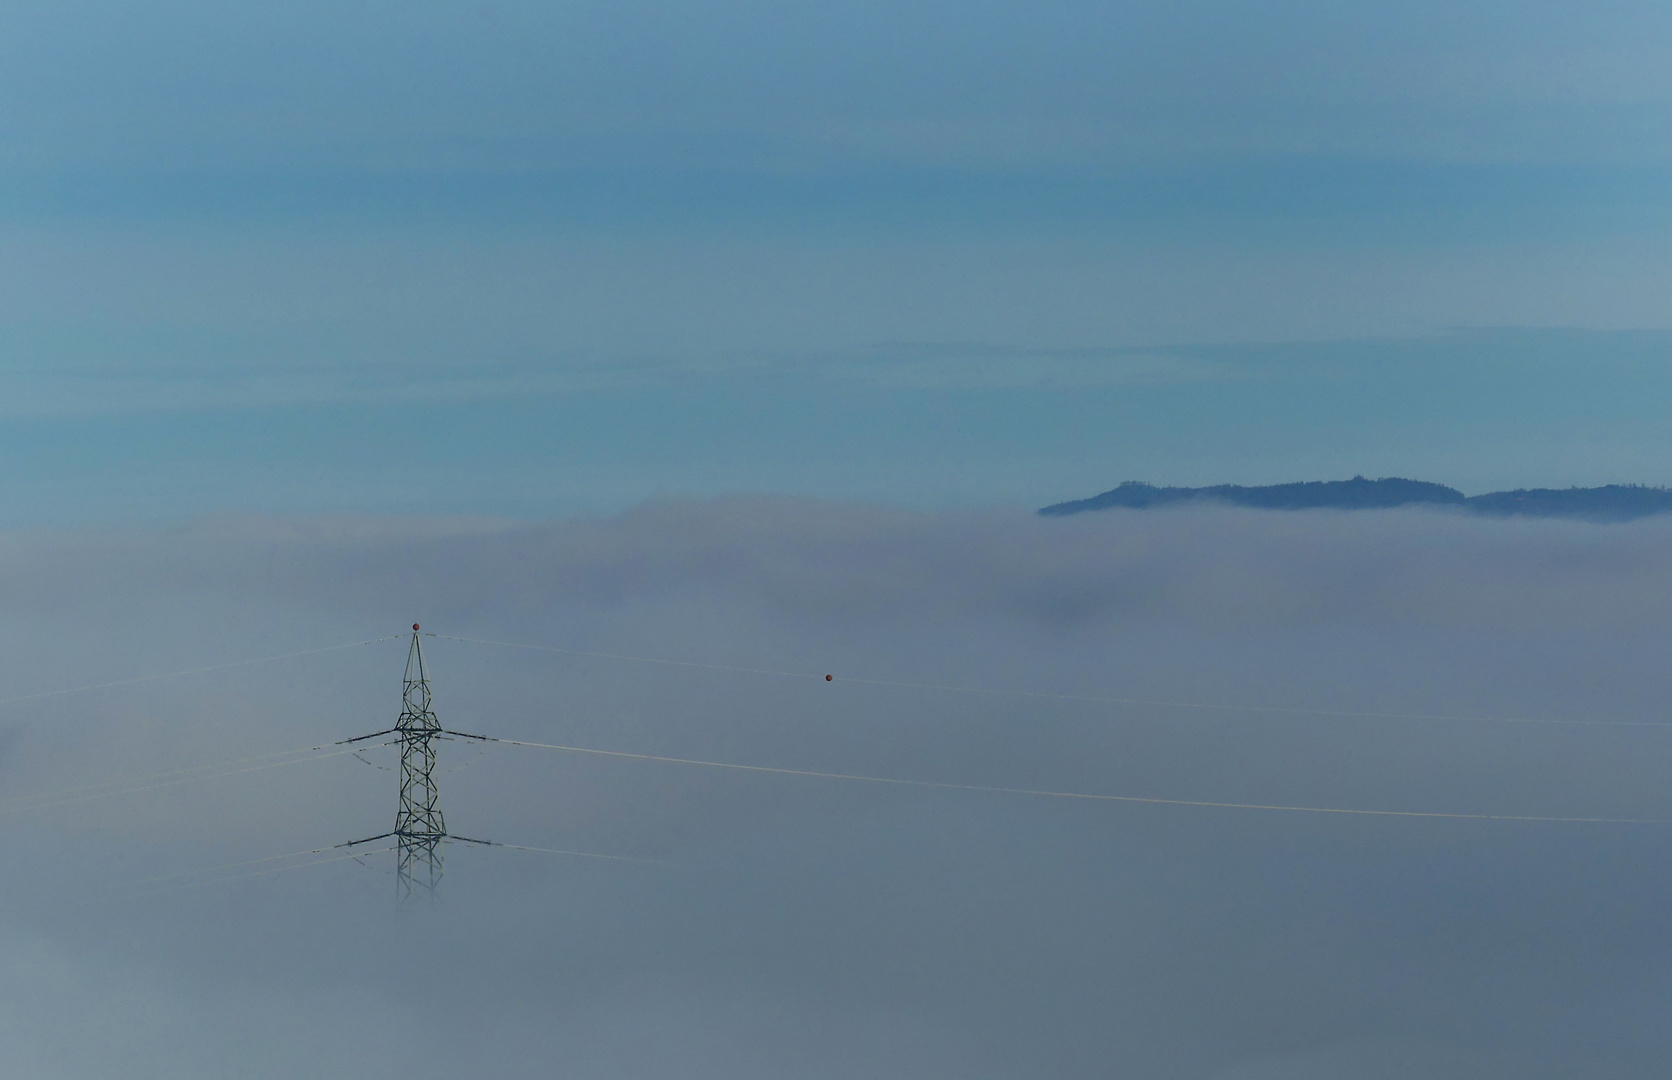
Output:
x=1279 y=709
x=124 y=892
x=555 y=851
x=635 y=659
x=233 y=865
x=158 y=776
x=357 y=854
x=263 y=873
x=133 y=789
x=1050 y=696
x=1039 y=793
x=420 y=828
x=190 y=671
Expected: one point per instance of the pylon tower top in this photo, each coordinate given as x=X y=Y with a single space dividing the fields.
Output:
x=415 y=690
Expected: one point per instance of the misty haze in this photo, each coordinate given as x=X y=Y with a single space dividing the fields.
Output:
x=1393 y=660
x=724 y=540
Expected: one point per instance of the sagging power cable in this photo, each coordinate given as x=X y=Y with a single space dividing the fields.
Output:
x=1043 y=695
x=264 y=872
x=1080 y=795
x=550 y=851
x=194 y=878
x=161 y=775
x=37 y=802
x=191 y=671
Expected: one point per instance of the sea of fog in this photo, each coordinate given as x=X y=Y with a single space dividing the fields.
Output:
x=788 y=925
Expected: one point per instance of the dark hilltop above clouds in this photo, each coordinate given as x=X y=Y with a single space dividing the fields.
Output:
x=1612 y=502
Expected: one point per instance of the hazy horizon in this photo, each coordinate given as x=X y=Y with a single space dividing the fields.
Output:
x=696 y=352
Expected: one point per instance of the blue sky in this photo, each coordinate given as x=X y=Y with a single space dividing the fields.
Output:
x=513 y=258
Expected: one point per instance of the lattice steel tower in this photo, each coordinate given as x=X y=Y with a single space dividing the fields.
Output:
x=420 y=830
x=419 y=826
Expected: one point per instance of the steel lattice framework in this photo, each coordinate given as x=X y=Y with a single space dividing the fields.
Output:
x=419 y=825
x=420 y=829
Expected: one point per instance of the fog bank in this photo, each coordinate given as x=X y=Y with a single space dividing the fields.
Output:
x=797 y=926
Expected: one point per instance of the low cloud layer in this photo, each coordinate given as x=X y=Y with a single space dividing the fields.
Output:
x=796 y=926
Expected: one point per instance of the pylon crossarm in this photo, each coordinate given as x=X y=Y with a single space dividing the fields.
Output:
x=468 y=735
x=468 y=840
x=363 y=738
x=367 y=840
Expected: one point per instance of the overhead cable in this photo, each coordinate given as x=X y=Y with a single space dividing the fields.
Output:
x=1051 y=696
x=1088 y=796
x=625 y=656
x=191 y=671
x=232 y=865
x=263 y=873
x=552 y=851
x=52 y=800
x=159 y=776
x=123 y=893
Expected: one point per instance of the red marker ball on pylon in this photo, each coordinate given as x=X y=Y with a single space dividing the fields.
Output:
x=415 y=626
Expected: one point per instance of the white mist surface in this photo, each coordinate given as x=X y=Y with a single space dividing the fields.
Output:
x=799 y=926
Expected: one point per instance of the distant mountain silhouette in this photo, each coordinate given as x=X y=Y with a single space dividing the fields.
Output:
x=1613 y=502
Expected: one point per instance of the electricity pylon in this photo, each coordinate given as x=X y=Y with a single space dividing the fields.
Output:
x=420 y=828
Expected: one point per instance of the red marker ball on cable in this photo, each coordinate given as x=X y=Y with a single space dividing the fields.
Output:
x=828 y=678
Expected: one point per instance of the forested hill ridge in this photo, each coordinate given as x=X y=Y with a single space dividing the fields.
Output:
x=1612 y=502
